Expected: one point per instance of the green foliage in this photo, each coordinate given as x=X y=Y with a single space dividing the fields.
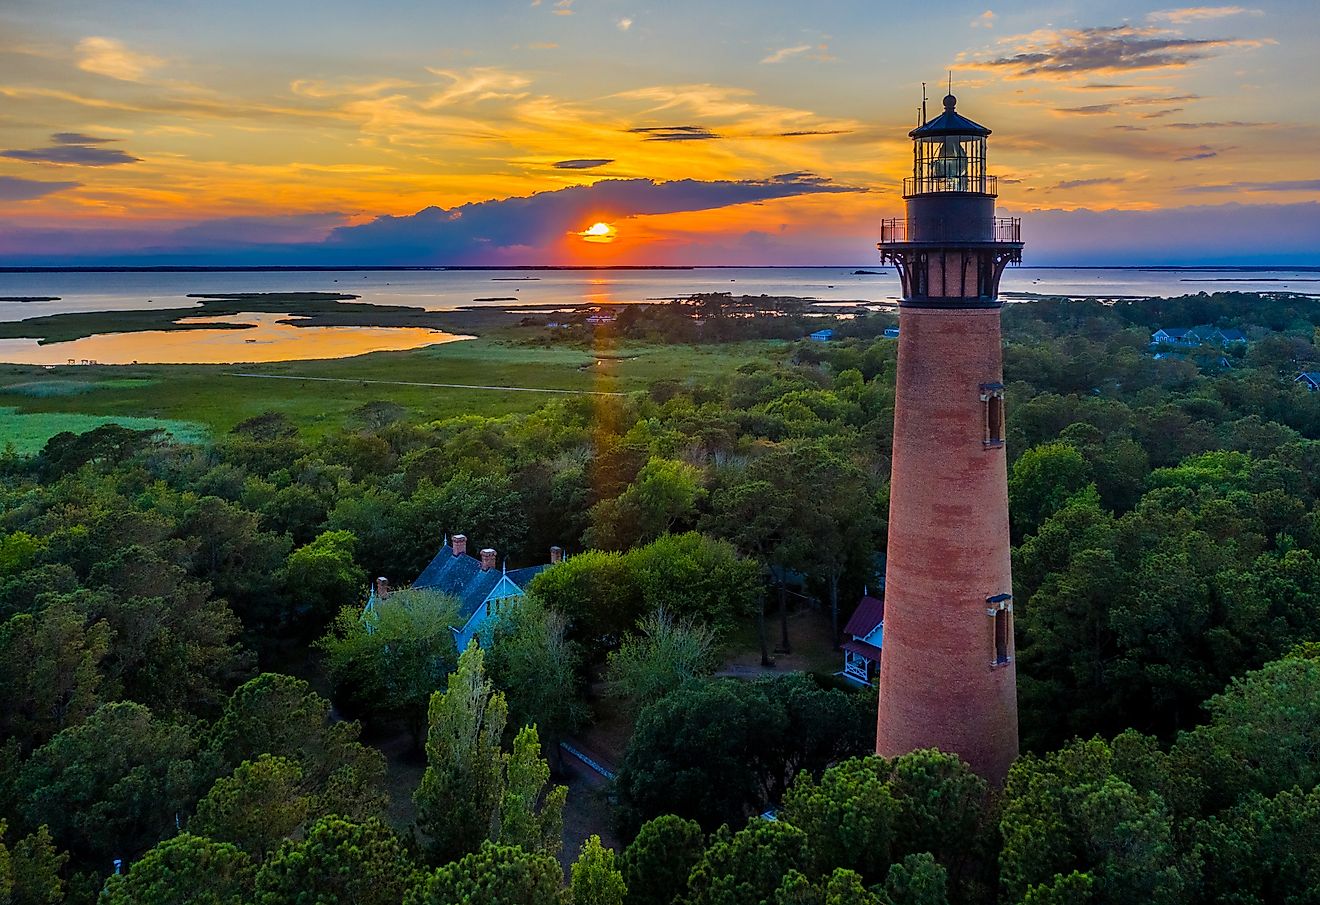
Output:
x=657 y=862
x=665 y=653
x=184 y=870
x=747 y=867
x=595 y=879
x=50 y=670
x=458 y=800
x=389 y=660
x=716 y=750
x=111 y=786
x=1042 y=479
x=493 y=875
x=281 y=716
x=338 y=861
x=850 y=817
x=664 y=495
x=255 y=807
x=322 y=575
x=917 y=880
x=530 y=814
x=30 y=874
x=537 y=667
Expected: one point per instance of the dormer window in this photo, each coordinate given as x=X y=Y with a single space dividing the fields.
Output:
x=992 y=398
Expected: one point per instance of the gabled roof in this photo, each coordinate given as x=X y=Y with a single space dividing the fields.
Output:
x=869 y=651
x=1311 y=377
x=950 y=122
x=462 y=576
x=870 y=612
x=1233 y=335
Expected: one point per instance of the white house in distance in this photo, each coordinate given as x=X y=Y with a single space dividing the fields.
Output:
x=1194 y=337
x=482 y=589
x=865 y=631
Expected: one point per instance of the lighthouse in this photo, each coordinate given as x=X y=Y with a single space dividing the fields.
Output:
x=947 y=675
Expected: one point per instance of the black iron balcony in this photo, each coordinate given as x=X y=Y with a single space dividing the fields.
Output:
x=932 y=185
x=899 y=230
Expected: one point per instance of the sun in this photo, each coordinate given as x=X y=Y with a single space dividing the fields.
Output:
x=598 y=232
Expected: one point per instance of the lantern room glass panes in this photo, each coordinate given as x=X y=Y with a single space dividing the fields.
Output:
x=949 y=163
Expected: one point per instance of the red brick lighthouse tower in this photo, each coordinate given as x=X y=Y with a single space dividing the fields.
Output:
x=947 y=677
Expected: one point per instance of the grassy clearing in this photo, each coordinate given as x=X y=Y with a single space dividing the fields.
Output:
x=205 y=395
x=28 y=432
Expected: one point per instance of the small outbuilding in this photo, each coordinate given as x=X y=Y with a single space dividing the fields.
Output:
x=865 y=632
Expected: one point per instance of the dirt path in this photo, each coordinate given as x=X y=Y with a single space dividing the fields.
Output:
x=408 y=383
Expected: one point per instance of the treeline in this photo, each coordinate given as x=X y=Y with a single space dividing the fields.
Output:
x=1166 y=542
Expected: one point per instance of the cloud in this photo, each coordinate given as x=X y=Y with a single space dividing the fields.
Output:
x=514 y=228
x=1081 y=183
x=1139 y=101
x=624 y=24
x=563 y=8
x=1226 y=124
x=78 y=138
x=985 y=20
x=800 y=133
x=785 y=53
x=12 y=188
x=1285 y=185
x=674 y=133
x=1200 y=155
x=584 y=163
x=71 y=155
x=1065 y=53
x=1198 y=13
x=109 y=57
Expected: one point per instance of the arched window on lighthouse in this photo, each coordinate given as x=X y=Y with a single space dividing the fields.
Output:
x=992 y=398
x=1000 y=610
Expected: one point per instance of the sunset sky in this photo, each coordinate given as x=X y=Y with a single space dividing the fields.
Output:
x=399 y=132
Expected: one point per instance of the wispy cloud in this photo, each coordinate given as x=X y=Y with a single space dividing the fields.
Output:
x=72 y=149
x=786 y=53
x=582 y=163
x=674 y=133
x=985 y=20
x=624 y=24
x=1082 y=183
x=111 y=58
x=1065 y=53
x=12 y=188
x=1284 y=185
x=1198 y=13
x=563 y=8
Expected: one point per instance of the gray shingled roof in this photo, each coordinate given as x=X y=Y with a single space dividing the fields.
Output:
x=463 y=577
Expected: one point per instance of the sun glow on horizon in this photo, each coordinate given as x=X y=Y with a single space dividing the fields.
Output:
x=598 y=232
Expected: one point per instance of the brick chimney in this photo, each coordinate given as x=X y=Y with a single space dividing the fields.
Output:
x=487 y=559
x=556 y=555
x=459 y=543
x=382 y=587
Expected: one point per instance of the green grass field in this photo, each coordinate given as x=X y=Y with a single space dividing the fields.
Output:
x=214 y=398
x=28 y=432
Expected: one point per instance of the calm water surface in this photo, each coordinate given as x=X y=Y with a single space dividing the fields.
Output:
x=441 y=290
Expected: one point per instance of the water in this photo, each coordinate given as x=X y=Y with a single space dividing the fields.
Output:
x=438 y=290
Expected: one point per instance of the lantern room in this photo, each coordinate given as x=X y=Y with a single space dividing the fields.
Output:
x=949 y=156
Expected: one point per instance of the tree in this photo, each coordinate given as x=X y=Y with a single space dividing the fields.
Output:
x=111 y=786
x=339 y=861
x=664 y=494
x=664 y=654
x=694 y=576
x=458 y=800
x=747 y=867
x=531 y=815
x=30 y=874
x=184 y=870
x=917 y=880
x=1042 y=479
x=534 y=663
x=597 y=592
x=656 y=864
x=595 y=879
x=281 y=716
x=50 y=668
x=850 y=817
x=492 y=875
x=389 y=660
x=255 y=807
x=322 y=576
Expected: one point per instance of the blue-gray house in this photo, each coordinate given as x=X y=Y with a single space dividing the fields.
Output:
x=481 y=587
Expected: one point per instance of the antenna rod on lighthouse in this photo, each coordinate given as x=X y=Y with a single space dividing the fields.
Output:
x=923 y=103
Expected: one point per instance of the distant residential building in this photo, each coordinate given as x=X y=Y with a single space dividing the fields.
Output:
x=1309 y=379
x=1192 y=337
x=482 y=589
x=598 y=320
x=865 y=631
x=822 y=336
x=891 y=333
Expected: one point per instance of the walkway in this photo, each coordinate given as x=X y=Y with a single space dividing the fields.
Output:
x=406 y=383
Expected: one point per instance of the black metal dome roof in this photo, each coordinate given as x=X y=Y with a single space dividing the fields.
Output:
x=950 y=122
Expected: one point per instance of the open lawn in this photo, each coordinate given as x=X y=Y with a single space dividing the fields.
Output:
x=214 y=397
x=28 y=432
